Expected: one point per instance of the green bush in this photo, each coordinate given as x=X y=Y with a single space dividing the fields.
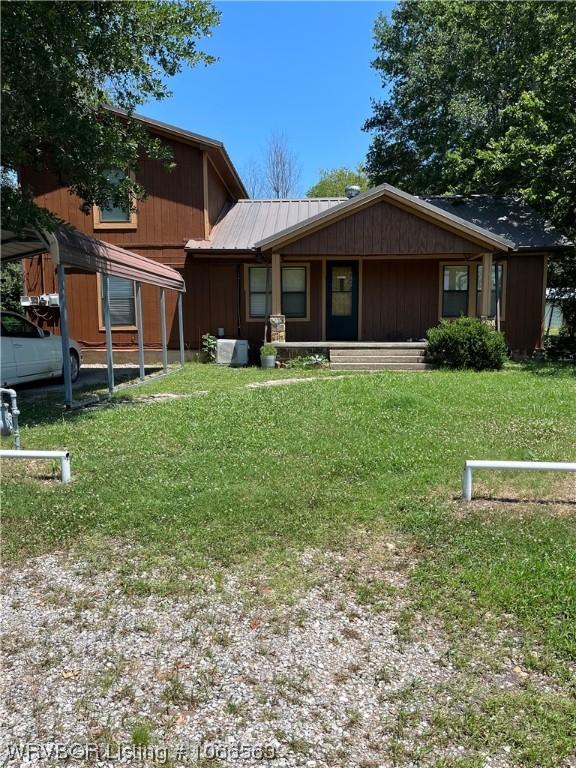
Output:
x=267 y=350
x=466 y=343
x=209 y=347
x=307 y=361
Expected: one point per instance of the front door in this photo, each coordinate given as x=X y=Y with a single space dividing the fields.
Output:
x=341 y=300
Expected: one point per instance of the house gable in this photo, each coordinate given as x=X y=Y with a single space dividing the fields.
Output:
x=381 y=228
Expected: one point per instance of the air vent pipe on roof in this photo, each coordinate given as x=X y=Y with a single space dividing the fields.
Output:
x=352 y=191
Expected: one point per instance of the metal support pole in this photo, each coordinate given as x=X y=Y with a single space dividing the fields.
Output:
x=139 y=324
x=181 y=328
x=163 y=326
x=65 y=338
x=108 y=329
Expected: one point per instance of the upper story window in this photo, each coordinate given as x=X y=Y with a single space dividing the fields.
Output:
x=496 y=284
x=115 y=216
x=454 y=290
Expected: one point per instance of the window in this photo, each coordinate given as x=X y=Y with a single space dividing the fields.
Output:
x=454 y=291
x=122 y=305
x=496 y=289
x=294 y=291
x=18 y=327
x=260 y=284
x=115 y=216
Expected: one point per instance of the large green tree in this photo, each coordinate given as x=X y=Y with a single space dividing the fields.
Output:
x=61 y=63
x=333 y=183
x=480 y=98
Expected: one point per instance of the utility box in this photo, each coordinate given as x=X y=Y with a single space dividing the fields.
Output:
x=233 y=352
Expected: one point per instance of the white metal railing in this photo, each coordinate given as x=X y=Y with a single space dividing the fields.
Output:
x=62 y=456
x=542 y=466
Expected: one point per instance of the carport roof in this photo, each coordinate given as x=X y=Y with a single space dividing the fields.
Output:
x=90 y=255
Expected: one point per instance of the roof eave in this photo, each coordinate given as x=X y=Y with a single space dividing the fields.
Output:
x=203 y=142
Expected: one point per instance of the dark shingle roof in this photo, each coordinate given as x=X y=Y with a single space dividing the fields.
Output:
x=507 y=217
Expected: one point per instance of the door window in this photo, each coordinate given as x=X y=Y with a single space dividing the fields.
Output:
x=342 y=287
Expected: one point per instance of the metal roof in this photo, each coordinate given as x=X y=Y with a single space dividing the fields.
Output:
x=396 y=196
x=248 y=221
x=76 y=249
x=258 y=224
x=506 y=217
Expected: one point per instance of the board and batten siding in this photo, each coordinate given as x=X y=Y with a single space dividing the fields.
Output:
x=381 y=229
x=525 y=295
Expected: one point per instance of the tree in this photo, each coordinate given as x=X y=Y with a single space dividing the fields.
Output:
x=11 y=286
x=61 y=64
x=481 y=99
x=281 y=171
x=333 y=183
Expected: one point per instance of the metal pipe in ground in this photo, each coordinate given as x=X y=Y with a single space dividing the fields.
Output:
x=541 y=466
x=62 y=456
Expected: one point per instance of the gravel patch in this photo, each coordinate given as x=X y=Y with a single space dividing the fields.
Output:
x=321 y=682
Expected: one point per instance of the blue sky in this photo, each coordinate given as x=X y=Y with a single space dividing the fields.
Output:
x=297 y=68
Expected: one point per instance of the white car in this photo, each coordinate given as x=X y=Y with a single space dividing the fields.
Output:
x=28 y=353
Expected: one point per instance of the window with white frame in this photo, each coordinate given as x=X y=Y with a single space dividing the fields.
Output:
x=294 y=292
x=122 y=303
x=454 y=290
x=496 y=282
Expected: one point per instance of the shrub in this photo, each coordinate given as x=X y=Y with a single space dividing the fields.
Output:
x=562 y=346
x=209 y=346
x=466 y=343
x=307 y=361
x=267 y=350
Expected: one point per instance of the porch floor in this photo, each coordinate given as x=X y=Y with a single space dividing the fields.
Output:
x=350 y=344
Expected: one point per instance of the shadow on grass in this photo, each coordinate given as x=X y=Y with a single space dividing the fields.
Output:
x=549 y=368
x=515 y=500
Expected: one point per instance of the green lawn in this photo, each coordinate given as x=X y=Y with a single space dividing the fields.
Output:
x=246 y=475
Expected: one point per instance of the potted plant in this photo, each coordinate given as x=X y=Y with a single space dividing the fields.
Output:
x=268 y=356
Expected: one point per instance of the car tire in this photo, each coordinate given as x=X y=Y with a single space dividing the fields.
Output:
x=74 y=365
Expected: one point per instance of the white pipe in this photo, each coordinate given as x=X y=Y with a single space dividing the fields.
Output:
x=62 y=456
x=140 y=330
x=542 y=466
x=181 y=329
x=108 y=329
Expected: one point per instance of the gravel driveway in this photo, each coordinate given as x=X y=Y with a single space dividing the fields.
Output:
x=222 y=671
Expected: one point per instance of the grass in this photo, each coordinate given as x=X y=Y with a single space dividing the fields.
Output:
x=242 y=475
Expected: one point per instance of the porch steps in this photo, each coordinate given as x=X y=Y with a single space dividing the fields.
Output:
x=393 y=357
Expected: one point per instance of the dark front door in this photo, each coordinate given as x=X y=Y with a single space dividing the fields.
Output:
x=342 y=300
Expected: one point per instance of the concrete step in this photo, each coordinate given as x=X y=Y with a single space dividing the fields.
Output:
x=361 y=358
x=392 y=356
x=379 y=366
x=383 y=353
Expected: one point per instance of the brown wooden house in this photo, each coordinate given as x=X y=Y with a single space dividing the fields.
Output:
x=383 y=266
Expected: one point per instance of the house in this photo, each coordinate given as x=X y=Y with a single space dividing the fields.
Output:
x=382 y=266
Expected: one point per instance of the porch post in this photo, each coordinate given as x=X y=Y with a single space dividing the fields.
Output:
x=486 y=285
x=163 y=327
x=139 y=324
x=181 y=328
x=68 y=396
x=276 y=285
x=108 y=329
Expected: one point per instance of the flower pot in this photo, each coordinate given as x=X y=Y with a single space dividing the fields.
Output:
x=268 y=361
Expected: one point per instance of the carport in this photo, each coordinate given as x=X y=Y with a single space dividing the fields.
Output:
x=75 y=250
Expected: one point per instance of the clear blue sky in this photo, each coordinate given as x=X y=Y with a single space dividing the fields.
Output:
x=297 y=68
